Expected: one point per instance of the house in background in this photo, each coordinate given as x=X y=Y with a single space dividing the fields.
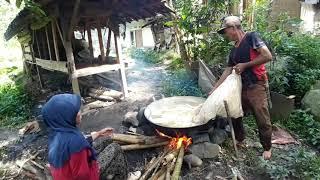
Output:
x=136 y=36
x=306 y=10
x=148 y=33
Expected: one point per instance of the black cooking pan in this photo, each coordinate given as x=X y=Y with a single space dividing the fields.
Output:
x=173 y=115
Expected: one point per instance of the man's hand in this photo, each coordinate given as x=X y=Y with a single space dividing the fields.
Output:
x=106 y=132
x=239 y=68
x=102 y=133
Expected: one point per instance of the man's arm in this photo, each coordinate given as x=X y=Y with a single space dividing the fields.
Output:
x=264 y=57
x=224 y=75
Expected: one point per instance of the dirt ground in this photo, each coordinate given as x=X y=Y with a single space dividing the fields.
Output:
x=144 y=82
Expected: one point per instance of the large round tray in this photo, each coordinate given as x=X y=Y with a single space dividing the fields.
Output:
x=174 y=112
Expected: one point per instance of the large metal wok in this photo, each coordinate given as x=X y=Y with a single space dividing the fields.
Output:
x=174 y=114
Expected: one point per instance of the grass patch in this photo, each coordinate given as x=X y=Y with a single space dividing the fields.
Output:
x=146 y=55
x=296 y=163
x=180 y=83
x=170 y=58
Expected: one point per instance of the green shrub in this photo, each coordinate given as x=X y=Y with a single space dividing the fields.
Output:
x=15 y=105
x=180 y=83
x=304 y=50
x=214 y=49
x=305 y=126
x=277 y=72
x=300 y=83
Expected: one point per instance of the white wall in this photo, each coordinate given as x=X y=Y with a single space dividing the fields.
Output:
x=307 y=15
x=147 y=37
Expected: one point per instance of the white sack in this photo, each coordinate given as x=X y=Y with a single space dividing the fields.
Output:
x=230 y=91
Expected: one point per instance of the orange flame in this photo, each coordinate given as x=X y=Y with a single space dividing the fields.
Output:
x=176 y=142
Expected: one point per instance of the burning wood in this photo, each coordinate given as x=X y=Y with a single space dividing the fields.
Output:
x=170 y=169
x=152 y=166
x=170 y=160
x=177 y=168
x=169 y=157
x=133 y=142
x=142 y=146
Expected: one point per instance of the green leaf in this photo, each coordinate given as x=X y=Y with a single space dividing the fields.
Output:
x=169 y=23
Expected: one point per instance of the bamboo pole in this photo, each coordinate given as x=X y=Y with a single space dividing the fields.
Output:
x=34 y=59
x=127 y=138
x=74 y=19
x=149 y=170
x=149 y=163
x=72 y=68
x=108 y=42
x=90 y=41
x=122 y=73
x=37 y=43
x=117 y=48
x=48 y=42
x=231 y=127
x=142 y=146
x=177 y=168
x=170 y=156
x=55 y=43
x=158 y=174
x=42 y=44
x=169 y=169
x=60 y=33
x=100 y=41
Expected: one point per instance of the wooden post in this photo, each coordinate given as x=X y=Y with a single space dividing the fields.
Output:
x=108 y=42
x=122 y=69
x=71 y=67
x=34 y=59
x=60 y=33
x=90 y=41
x=42 y=44
x=100 y=41
x=74 y=19
x=118 y=47
x=48 y=42
x=55 y=43
x=37 y=43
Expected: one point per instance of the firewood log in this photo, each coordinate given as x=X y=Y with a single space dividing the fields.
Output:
x=128 y=138
x=149 y=170
x=177 y=168
x=142 y=146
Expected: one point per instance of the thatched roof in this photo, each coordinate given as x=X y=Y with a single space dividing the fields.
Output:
x=18 y=24
x=108 y=11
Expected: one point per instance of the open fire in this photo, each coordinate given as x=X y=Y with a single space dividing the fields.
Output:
x=177 y=142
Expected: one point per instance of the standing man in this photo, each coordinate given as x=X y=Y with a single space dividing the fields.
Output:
x=247 y=58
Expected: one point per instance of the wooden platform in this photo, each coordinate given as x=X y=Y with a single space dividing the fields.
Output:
x=53 y=65
x=95 y=70
x=48 y=64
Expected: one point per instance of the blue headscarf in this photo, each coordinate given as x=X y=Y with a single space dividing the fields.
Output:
x=59 y=114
